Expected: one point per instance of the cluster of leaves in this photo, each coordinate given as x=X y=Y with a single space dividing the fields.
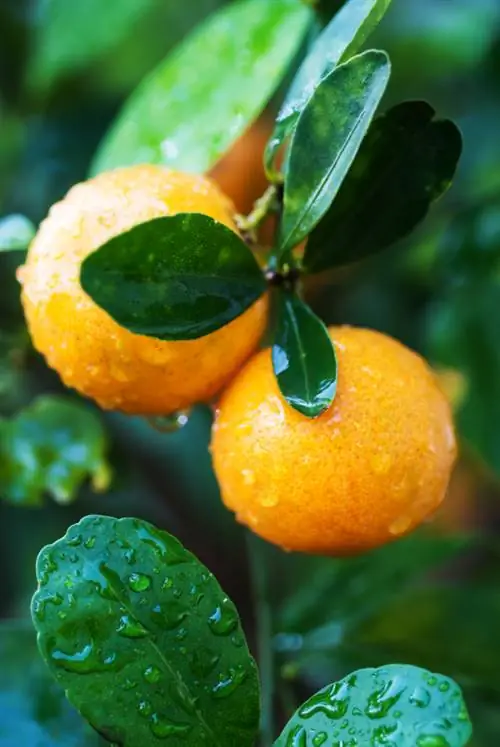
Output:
x=339 y=170
x=147 y=646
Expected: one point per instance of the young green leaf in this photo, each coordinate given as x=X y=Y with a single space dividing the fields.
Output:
x=327 y=137
x=51 y=447
x=16 y=233
x=143 y=639
x=304 y=360
x=397 y=704
x=344 y=35
x=174 y=278
x=406 y=161
x=34 y=711
x=190 y=110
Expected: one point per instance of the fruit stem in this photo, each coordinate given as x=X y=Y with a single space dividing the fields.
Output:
x=264 y=631
x=266 y=204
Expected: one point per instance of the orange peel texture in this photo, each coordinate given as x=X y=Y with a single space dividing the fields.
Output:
x=91 y=352
x=367 y=471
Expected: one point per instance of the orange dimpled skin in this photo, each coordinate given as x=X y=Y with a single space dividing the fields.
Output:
x=91 y=352
x=368 y=470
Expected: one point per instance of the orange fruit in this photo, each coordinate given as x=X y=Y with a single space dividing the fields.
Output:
x=240 y=172
x=368 y=470
x=91 y=352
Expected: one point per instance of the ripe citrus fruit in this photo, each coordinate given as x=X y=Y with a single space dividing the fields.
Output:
x=365 y=472
x=240 y=172
x=91 y=352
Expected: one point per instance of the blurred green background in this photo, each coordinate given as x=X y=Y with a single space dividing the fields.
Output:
x=433 y=599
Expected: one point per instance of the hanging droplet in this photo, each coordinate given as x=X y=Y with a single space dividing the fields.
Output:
x=170 y=423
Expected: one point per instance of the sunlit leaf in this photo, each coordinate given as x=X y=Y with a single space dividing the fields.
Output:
x=143 y=639
x=327 y=137
x=51 y=447
x=344 y=35
x=189 y=111
x=174 y=278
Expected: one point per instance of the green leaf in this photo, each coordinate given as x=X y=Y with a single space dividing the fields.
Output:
x=405 y=163
x=67 y=36
x=395 y=705
x=463 y=334
x=34 y=711
x=143 y=639
x=16 y=233
x=190 y=110
x=51 y=447
x=174 y=278
x=344 y=35
x=304 y=360
x=331 y=595
x=326 y=140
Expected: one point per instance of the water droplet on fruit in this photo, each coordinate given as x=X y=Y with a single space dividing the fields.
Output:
x=139 y=582
x=400 y=525
x=169 y=423
x=268 y=500
x=248 y=476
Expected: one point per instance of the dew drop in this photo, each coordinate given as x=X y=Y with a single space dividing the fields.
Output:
x=400 y=525
x=152 y=674
x=432 y=740
x=229 y=682
x=268 y=500
x=145 y=709
x=170 y=616
x=319 y=739
x=130 y=628
x=248 y=477
x=163 y=728
x=169 y=423
x=139 y=582
x=420 y=697
x=223 y=619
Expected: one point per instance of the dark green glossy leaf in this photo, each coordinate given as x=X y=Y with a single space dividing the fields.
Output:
x=464 y=335
x=143 y=639
x=189 y=111
x=396 y=705
x=34 y=711
x=304 y=360
x=16 y=233
x=174 y=278
x=406 y=161
x=51 y=447
x=327 y=137
x=344 y=35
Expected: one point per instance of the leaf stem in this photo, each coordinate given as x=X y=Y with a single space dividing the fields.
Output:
x=263 y=618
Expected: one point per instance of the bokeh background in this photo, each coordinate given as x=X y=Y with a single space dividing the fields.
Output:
x=432 y=599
